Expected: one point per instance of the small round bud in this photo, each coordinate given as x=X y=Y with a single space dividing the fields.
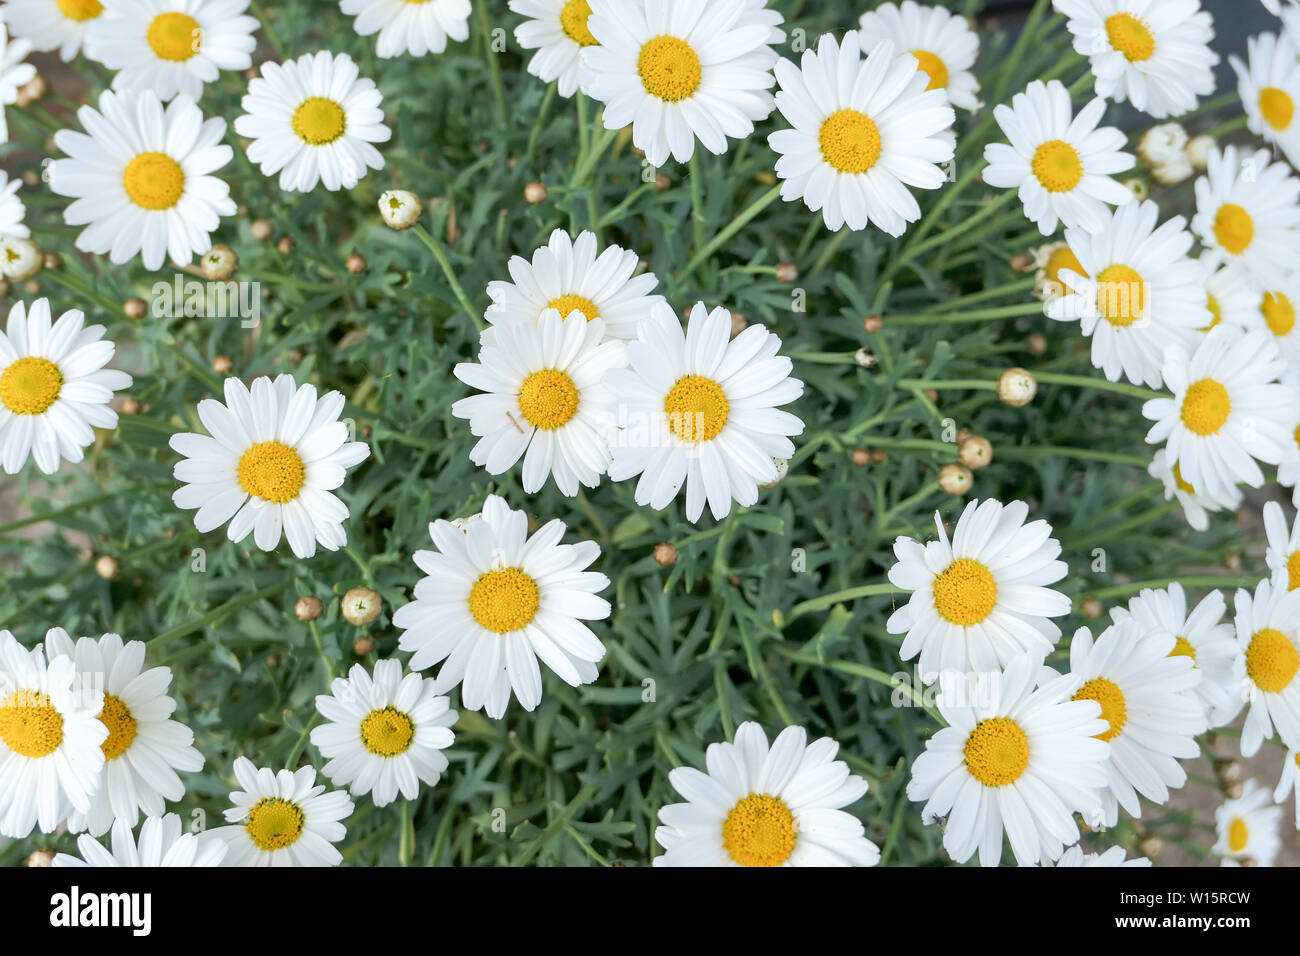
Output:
x=963 y=435
x=1137 y=186
x=1173 y=172
x=219 y=263
x=1233 y=790
x=955 y=479
x=535 y=192
x=1198 y=151
x=273 y=661
x=975 y=452
x=879 y=455
x=1232 y=561
x=1091 y=608
x=1017 y=387
x=361 y=606
x=308 y=608
x=1022 y=262
x=1162 y=143
x=734 y=580
x=107 y=567
x=356 y=263
x=42 y=857
x=261 y=229
x=864 y=358
x=222 y=364
x=1036 y=343
x=53 y=260
x=134 y=308
x=130 y=406
x=285 y=245
x=782 y=469
x=1230 y=771
x=665 y=554
x=787 y=272
x=1151 y=845
x=932 y=394
x=872 y=324
x=400 y=209
x=20 y=259
x=738 y=323
x=363 y=645
x=861 y=457
x=663 y=183
x=31 y=91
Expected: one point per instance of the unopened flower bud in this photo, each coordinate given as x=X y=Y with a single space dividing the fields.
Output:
x=1036 y=343
x=1162 y=144
x=219 y=263
x=107 y=567
x=1091 y=608
x=955 y=479
x=400 y=209
x=222 y=364
x=308 y=608
x=20 y=259
x=787 y=272
x=1198 y=151
x=261 y=229
x=872 y=324
x=535 y=192
x=1151 y=845
x=665 y=554
x=134 y=308
x=1017 y=387
x=361 y=606
x=782 y=469
x=1173 y=172
x=42 y=857
x=975 y=452
x=356 y=263
x=861 y=457
x=363 y=645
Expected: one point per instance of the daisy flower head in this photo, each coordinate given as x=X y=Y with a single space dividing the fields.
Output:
x=1230 y=295
x=275 y=454
x=557 y=30
x=495 y=600
x=1275 y=312
x=1155 y=55
x=13 y=74
x=282 y=819
x=943 y=44
x=568 y=274
x=761 y=805
x=1048 y=261
x=1269 y=85
x=161 y=844
x=1112 y=856
x=1283 y=554
x=52 y=24
x=1139 y=292
x=1062 y=164
x=144 y=747
x=12 y=210
x=1023 y=761
x=701 y=409
x=1247 y=211
x=544 y=400
x=51 y=756
x=1197 y=505
x=1268 y=659
x=679 y=70
x=982 y=598
x=313 y=119
x=1247 y=828
x=171 y=46
x=385 y=733
x=416 y=27
x=54 y=388
x=1289 y=782
x=862 y=130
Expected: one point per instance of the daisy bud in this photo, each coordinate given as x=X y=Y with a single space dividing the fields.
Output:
x=782 y=469
x=1162 y=143
x=361 y=606
x=1169 y=174
x=1091 y=608
x=1017 y=387
x=308 y=608
x=107 y=567
x=261 y=229
x=1232 y=561
x=53 y=260
x=872 y=324
x=134 y=308
x=963 y=435
x=864 y=358
x=787 y=272
x=219 y=263
x=356 y=263
x=932 y=394
x=42 y=857
x=20 y=259
x=1036 y=344
x=285 y=245
x=1230 y=771
x=1022 y=262
x=535 y=192
x=32 y=287
x=222 y=364
x=1150 y=846
x=861 y=457
x=879 y=455
x=975 y=452
x=1234 y=790
x=363 y=645
x=401 y=209
x=273 y=661
x=31 y=91
x=130 y=406
x=1198 y=151
x=1137 y=187
x=665 y=554
x=955 y=479
x=663 y=183
x=738 y=323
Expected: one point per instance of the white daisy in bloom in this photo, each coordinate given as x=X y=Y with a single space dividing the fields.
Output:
x=677 y=71
x=1230 y=295
x=1197 y=505
x=862 y=131
x=52 y=24
x=1247 y=211
x=1289 y=782
x=13 y=74
x=1275 y=312
x=698 y=410
x=557 y=30
x=145 y=747
x=161 y=844
x=275 y=455
x=1024 y=761
x=1048 y=261
x=495 y=600
x=282 y=819
x=416 y=27
x=566 y=274
x=757 y=805
x=1153 y=53
x=1061 y=164
x=1113 y=856
x=544 y=400
x=51 y=756
x=983 y=598
x=313 y=119
x=12 y=210
x=1283 y=554
x=385 y=734
x=1268 y=659
x=54 y=388
x=1139 y=292
x=172 y=46
x=1227 y=411
x=943 y=44
x=141 y=178
x=1269 y=84
x=1247 y=828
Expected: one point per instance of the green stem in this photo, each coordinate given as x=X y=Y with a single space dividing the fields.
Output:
x=733 y=227
x=440 y=254
x=830 y=600
x=216 y=614
x=1089 y=381
x=494 y=68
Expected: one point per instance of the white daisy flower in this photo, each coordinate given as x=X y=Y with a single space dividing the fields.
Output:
x=1230 y=295
x=495 y=600
x=698 y=410
x=313 y=120
x=20 y=259
x=1023 y=762
x=282 y=819
x=13 y=74
x=1247 y=828
x=385 y=734
x=1268 y=658
x=1247 y=211
x=543 y=395
x=54 y=388
x=51 y=756
x=276 y=454
x=677 y=71
x=1061 y=164
x=1289 y=783
x=862 y=131
x=761 y=806
x=1269 y=85
x=1283 y=554
x=557 y=30
x=161 y=844
x=145 y=747
x=416 y=27
x=982 y=599
x=1048 y=261
x=1139 y=292
x=943 y=44
x=141 y=178
x=1275 y=312
x=52 y=24
x=171 y=46
x=566 y=274
x=1227 y=411
x=1197 y=505
x=1112 y=856
x=12 y=210
x=1155 y=55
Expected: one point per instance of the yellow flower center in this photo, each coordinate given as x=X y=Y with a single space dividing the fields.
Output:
x=1130 y=36
x=548 y=399
x=1206 y=406
x=697 y=409
x=154 y=181
x=274 y=824
x=1233 y=228
x=1062 y=258
x=850 y=141
x=1183 y=648
x=1279 y=312
x=1277 y=107
x=1121 y=295
x=934 y=68
x=175 y=36
x=30 y=385
x=1272 y=660
x=566 y=305
x=80 y=10
x=1182 y=483
x=272 y=471
x=759 y=831
x=121 y=727
x=669 y=69
x=1216 y=310
x=1293 y=571
x=387 y=732
x=504 y=600
x=1113 y=708
x=30 y=726
x=1057 y=166
x=573 y=20
x=965 y=593
x=996 y=752
x=319 y=121
x=1238 y=835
